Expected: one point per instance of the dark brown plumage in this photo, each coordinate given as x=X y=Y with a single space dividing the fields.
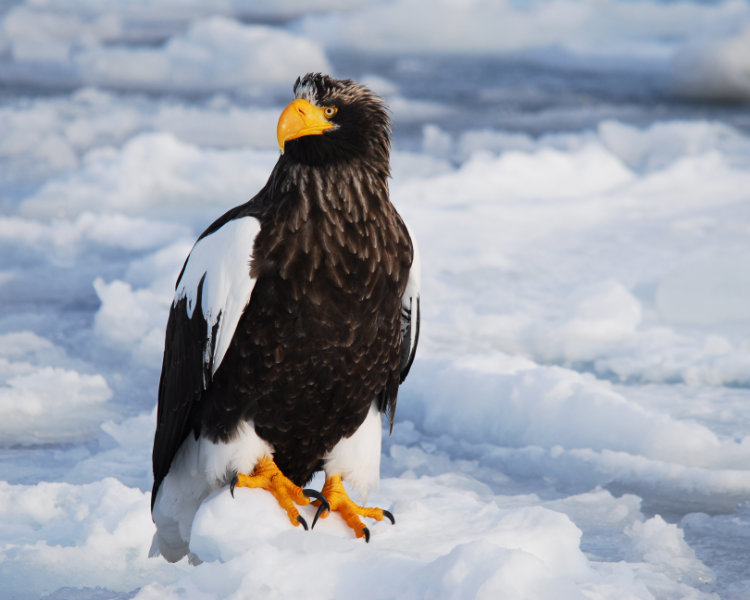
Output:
x=327 y=330
x=321 y=336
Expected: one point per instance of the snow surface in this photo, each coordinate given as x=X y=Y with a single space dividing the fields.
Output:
x=577 y=174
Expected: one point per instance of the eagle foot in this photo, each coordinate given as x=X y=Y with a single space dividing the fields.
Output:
x=268 y=476
x=339 y=501
x=320 y=502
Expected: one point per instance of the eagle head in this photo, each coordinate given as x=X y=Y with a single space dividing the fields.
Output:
x=332 y=121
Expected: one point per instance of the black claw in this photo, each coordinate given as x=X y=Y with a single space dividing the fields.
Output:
x=302 y=521
x=321 y=509
x=324 y=506
x=389 y=514
x=232 y=485
x=367 y=534
x=311 y=493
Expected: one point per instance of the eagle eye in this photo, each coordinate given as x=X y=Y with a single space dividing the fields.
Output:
x=330 y=111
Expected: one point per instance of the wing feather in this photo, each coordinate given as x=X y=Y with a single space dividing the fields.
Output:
x=410 y=313
x=212 y=292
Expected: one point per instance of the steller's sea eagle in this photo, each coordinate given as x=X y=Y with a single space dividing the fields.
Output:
x=295 y=318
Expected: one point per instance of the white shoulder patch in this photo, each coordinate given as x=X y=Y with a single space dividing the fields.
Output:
x=223 y=258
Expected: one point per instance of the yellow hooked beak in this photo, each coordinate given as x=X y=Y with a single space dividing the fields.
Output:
x=301 y=118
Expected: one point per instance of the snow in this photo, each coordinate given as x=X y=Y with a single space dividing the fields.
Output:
x=96 y=527
x=575 y=423
x=119 y=180
x=41 y=402
x=130 y=318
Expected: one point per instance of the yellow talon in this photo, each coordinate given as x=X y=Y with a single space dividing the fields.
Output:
x=339 y=501
x=268 y=476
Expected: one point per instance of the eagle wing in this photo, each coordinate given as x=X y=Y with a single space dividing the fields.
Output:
x=211 y=294
x=410 y=316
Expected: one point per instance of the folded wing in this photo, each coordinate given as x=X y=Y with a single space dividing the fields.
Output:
x=212 y=292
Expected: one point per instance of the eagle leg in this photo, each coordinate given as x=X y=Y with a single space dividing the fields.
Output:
x=339 y=501
x=268 y=476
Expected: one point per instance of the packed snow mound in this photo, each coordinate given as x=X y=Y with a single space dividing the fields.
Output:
x=41 y=403
x=551 y=407
x=453 y=539
x=488 y=548
x=44 y=138
x=670 y=181
x=154 y=174
x=101 y=528
x=132 y=318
